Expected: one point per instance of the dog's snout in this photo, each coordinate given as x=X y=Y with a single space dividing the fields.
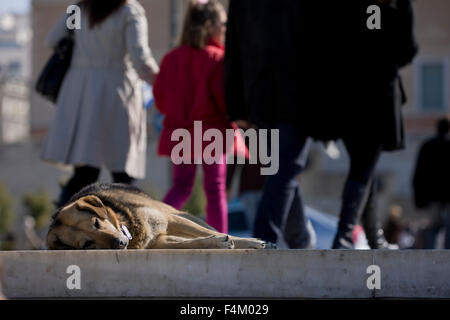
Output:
x=118 y=243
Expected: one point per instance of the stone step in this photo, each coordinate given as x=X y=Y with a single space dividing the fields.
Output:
x=329 y=274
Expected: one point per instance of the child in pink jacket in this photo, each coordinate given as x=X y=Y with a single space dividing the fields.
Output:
x=190 y=88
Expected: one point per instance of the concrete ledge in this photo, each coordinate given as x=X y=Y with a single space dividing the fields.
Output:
x=226 y=274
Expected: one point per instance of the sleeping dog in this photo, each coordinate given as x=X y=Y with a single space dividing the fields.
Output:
x=115 y=216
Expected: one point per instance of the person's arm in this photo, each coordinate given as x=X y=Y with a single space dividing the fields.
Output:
x=137 y=45
x=159 y=86
x=407 y=29
x=57 y=33
x=406 y=48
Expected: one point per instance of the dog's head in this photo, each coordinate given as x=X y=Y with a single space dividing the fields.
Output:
x=86 y=224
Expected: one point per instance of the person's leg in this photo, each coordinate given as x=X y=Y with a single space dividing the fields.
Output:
x=431 y=232
x=430 y=236
x=371 y=223
x=214 y=182
x=363 y=159
x=447 y=227
x=280 y=189
x=122 y=177
x=82 y=177
x=183 y=181
x=251 y=200
x=298 y=232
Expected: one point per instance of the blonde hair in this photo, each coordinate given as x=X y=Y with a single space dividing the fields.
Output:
x=195 y=30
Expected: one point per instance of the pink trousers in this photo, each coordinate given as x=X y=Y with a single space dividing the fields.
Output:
x=214 y=182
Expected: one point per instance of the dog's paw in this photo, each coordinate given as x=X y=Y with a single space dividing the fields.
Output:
x=249 y=243
x=225 y=242
x=255 y=244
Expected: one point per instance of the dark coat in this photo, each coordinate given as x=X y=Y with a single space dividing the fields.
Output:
x=431 y=180
x=317 y=66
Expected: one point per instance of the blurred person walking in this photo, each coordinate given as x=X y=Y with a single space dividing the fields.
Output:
x=399 y=231
x=262 y=87
x=190 y=88
x=100 y=119
x=431 y=184
x=310 y=72
x=394 y=226
x=374 y=123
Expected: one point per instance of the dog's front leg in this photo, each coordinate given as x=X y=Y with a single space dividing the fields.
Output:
x=248 y=243
x=182 y=227
x=173 y=242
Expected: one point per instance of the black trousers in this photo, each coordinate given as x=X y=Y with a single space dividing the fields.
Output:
x=84 y=176
x=281 y=210
x=363 y=159
x=364 y=156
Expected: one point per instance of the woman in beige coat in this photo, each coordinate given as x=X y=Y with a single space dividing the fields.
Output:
x=100 y=120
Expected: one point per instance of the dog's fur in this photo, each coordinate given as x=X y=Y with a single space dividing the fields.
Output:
x=94 y=217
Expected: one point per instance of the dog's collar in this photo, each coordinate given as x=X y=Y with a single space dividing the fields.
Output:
x=126 y=232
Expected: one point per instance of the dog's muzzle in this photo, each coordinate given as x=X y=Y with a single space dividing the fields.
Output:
x=118 y=243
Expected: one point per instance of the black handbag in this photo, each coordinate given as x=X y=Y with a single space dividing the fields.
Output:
x=52 y=76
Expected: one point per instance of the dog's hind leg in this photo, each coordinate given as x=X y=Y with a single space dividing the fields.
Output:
x=173 y=242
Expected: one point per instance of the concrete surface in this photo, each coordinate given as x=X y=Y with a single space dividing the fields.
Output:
x=226 y=274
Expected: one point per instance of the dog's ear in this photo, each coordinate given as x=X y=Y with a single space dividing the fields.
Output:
x=93 y=204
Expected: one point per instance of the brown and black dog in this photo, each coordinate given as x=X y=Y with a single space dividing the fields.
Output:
x=115 y=216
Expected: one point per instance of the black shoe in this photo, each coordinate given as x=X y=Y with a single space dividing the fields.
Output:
x=377 y=241
x=343 y=241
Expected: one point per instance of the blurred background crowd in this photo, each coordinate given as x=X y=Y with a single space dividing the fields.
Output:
x=27 y=185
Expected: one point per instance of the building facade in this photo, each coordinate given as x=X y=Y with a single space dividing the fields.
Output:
x=14 y=112
x=15 y=46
